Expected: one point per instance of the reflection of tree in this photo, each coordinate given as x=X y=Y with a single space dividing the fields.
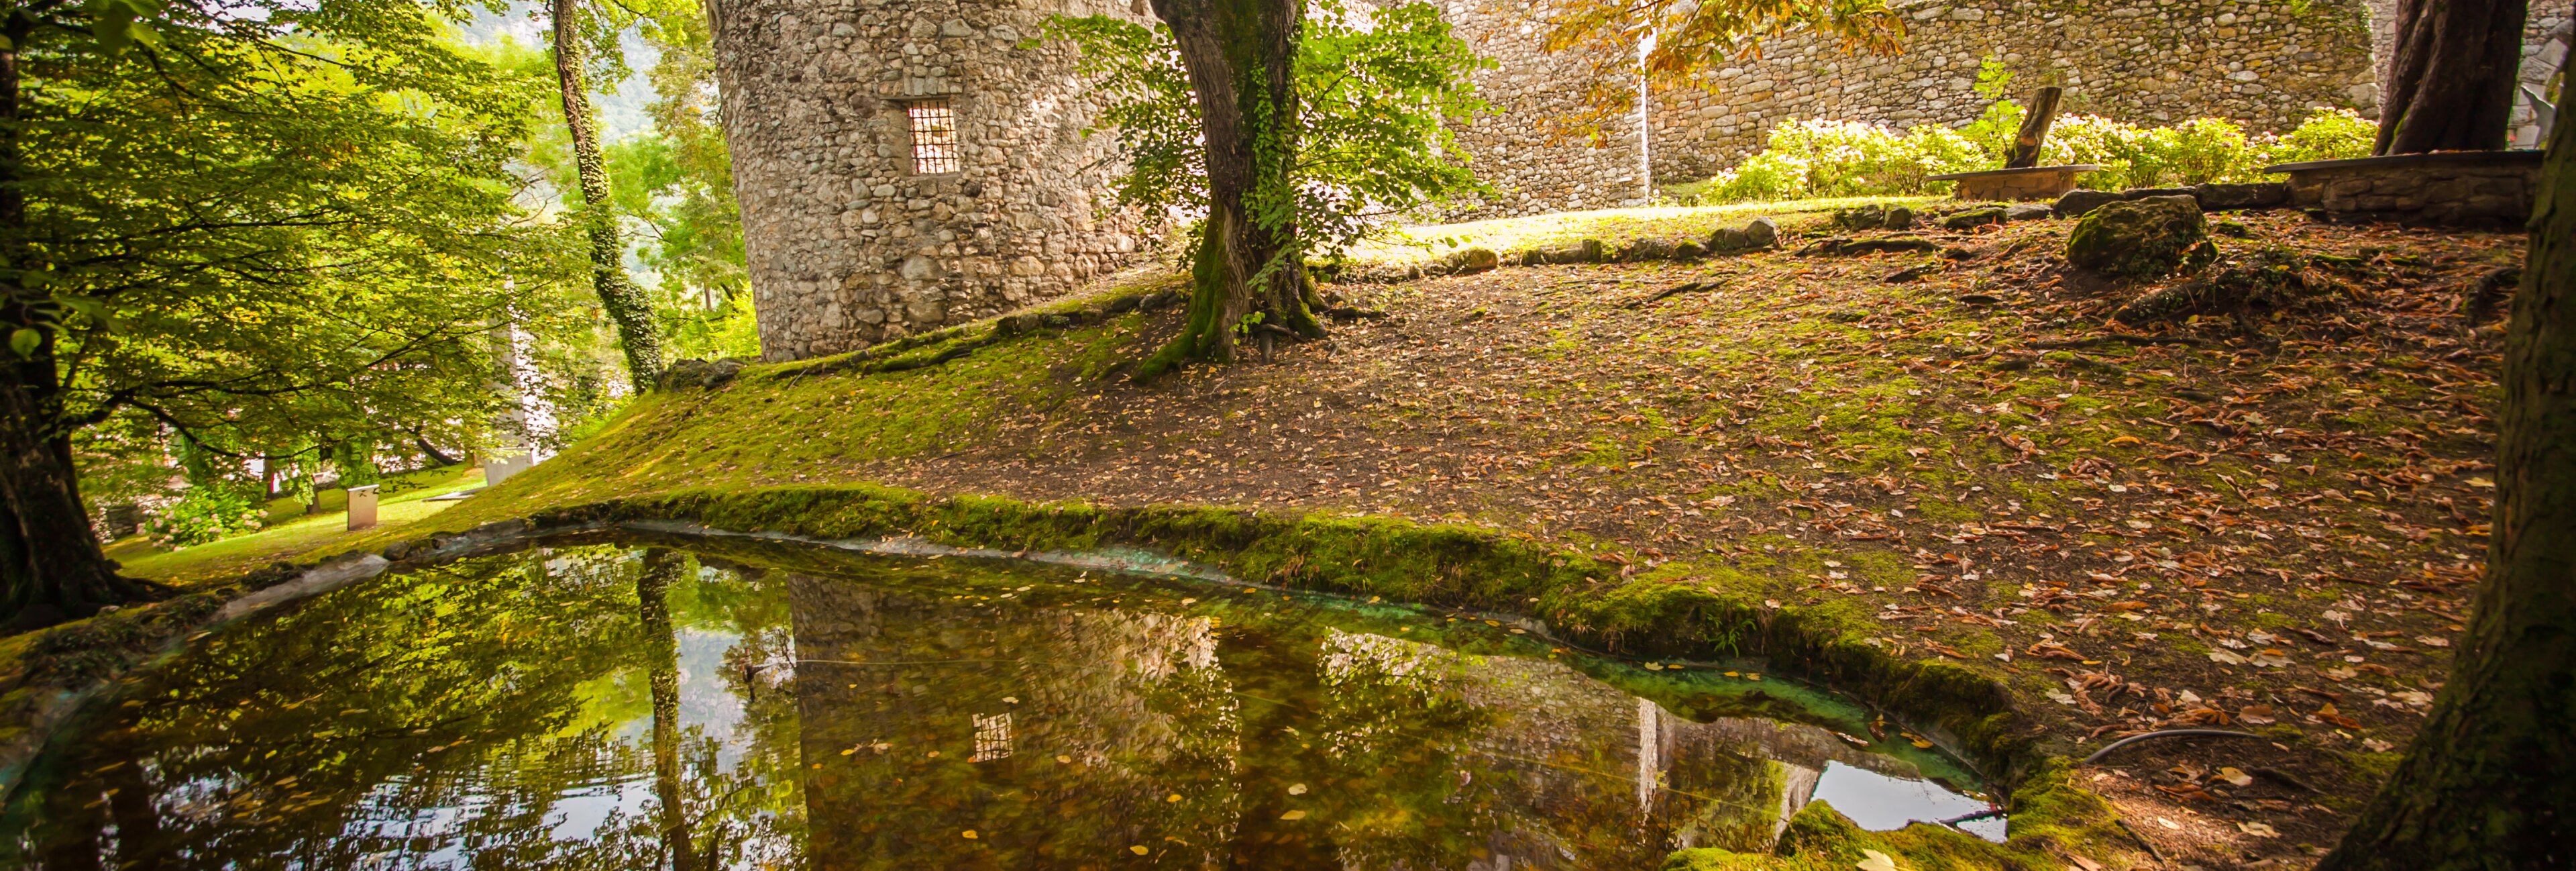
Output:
x=662 y=651
x=466 y=711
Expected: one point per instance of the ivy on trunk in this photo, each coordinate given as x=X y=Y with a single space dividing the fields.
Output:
x=625 y=303
x=1248 y=275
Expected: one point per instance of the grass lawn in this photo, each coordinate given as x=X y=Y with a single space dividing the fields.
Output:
x=290 y=533
x=1614 y=227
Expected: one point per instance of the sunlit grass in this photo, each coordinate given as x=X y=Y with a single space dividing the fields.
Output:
x=1611 y=226
x=232 y=556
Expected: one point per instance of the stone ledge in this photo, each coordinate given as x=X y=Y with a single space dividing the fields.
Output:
x=2458 y=188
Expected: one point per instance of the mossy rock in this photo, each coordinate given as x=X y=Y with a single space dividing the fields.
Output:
x=2144 y=238
x=2270 y=278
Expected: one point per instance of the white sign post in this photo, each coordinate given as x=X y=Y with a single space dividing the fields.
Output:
x=362 y=507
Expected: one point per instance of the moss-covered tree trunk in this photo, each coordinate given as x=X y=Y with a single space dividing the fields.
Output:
x=1248 y=276
x=626 y=305
x=2491 y=781
x=2450 y=84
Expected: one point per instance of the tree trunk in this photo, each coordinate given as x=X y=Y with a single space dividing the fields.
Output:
x=2034 y=129
x=51 y=566
x=652 y=593
x=627 y=307
x=2450 y=83
x=1240 y=55
x=2491 y=781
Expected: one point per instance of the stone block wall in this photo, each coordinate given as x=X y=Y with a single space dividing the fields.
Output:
x=1535 y=168
x=2472 y=189
x=846 y=246
x=2265 y=64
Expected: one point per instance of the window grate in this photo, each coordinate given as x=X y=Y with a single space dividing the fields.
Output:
x=934 y=137
x=992 y=737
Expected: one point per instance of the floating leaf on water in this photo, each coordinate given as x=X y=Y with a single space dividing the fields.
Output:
x=1296 y=789
x=1293 y=815
x=1138 y=850
x=969 y=834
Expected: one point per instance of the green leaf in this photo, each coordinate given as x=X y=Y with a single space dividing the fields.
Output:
x=24 y=341
x=96 y=310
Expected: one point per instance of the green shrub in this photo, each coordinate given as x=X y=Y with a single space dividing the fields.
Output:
x=206 y=514
x=2333 y=134
x=1825 y=158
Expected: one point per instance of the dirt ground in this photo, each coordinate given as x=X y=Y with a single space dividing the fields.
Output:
x=2264 y=518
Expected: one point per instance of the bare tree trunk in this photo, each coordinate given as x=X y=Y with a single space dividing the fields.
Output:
x=2450 y=85
x=1240 y=55
x=627 y=307
x=2491 y=781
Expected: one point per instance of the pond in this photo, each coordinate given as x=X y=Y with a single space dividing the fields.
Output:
x=606 y=705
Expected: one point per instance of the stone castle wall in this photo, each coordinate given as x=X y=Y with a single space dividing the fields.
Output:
x=845 y=244
x=847 y=247
x=1536 y=169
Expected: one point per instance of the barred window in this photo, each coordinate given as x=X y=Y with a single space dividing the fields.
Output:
x=992 y=737
x=934 y=137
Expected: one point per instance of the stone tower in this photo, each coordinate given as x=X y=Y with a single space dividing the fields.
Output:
x=906 y=164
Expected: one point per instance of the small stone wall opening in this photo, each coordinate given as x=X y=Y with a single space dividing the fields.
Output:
x=934 y=137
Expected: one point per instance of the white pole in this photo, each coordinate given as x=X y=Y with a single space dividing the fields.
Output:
x=1645 y=124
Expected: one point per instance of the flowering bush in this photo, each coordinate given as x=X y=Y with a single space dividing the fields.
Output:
x=1826 y=158
x=206 y=514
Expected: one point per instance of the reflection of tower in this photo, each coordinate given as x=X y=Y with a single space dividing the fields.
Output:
x=1050 y=733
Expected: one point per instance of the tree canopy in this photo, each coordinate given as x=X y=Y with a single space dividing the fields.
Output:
x=264 y=225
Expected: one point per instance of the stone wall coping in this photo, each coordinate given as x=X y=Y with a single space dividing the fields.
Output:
x=2493 y=158
x=1996 y=173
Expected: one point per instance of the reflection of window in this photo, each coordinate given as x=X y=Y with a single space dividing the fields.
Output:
x=992 y=737
x=934 y=137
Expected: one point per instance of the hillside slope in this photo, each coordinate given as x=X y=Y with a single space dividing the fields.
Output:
x=2265 y=522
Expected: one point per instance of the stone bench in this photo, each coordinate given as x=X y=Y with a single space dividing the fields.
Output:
x=2454 y=188
x=2016 y=185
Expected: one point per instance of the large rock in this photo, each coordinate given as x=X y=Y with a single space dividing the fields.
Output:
x=2076 y=203
x=1586 y=251
x=1728 y=239
x=2243 y=196
x=2147 y=237
x=1974 y=218
x=1762 y=233
x=2029 y=212
x=700 y=374
x=1898 y=218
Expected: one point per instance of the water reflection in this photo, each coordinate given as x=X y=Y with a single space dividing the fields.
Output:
x=609 y=707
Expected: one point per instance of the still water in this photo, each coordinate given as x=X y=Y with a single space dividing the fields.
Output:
x=613 y=706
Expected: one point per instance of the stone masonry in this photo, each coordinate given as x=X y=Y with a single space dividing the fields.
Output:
x=846 y=245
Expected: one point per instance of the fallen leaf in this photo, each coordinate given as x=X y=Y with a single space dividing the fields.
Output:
x=2230 y=774
x=1138 y=850
x=1296 y=789
x=970 y=834
x=2259 y=830
x=2225 y=658
x=2256 y=715
x=1293 y=815
x=1875 y=861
